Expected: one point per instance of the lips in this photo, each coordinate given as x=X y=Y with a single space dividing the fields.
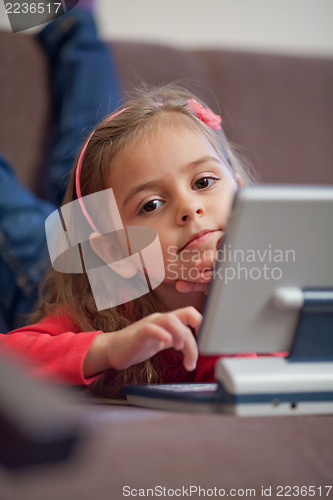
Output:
x=198 y=238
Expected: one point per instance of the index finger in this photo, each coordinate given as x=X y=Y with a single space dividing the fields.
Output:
x=189 y=316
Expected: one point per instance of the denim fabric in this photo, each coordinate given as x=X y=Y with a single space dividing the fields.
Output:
x=85 y=89
x=23 y=250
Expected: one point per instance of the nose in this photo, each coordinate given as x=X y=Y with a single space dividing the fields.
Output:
x=189 y=208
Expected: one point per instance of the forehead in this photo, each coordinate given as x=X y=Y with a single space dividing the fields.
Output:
x=161 y=152
x=166 y=122
x=160 y=136
x=162 y=122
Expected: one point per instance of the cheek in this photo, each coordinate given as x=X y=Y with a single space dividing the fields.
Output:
x=168 y=249
x=224 y=197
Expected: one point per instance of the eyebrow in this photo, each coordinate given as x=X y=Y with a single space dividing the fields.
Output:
x=148 y=185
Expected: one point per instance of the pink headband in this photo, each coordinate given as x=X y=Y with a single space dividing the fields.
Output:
x=79 y=167
x=206 y=115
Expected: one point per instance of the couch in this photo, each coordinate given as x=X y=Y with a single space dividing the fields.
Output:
x=279 y=111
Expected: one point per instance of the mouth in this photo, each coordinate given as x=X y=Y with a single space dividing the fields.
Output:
x=198 y=239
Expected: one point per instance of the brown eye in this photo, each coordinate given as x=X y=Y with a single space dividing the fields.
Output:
x=204 y=182
x=151 y=206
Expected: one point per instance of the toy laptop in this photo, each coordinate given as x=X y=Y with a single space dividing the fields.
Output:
x=272 y=291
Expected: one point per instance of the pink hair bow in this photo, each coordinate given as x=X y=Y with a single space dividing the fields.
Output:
x=206 y=115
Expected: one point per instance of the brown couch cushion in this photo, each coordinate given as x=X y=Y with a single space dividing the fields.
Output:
x=278 y=109
x=24 y=105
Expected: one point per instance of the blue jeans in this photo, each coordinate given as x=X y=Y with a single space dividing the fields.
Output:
x=85 y=89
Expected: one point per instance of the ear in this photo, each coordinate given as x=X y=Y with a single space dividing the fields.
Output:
x=107 y=250
x=239 y=180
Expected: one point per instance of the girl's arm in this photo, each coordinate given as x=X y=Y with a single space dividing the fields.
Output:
x=143 y=339
x=57 y=350
x=51 y=349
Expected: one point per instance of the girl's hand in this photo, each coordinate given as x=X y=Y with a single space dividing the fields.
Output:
x=205 y=270
x=145 y=338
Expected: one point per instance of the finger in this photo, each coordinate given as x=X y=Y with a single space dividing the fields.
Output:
x=183 y=338
x=158 y=338
x=190 y=351
x=206 y=276
x=189 y=316
x=157 y=333
x=204 y=263
x=175 y=327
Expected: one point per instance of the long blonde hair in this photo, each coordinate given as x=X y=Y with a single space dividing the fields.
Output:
x=71 y=293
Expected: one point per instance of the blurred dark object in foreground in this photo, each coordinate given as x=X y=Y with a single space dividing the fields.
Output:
x=38 y=422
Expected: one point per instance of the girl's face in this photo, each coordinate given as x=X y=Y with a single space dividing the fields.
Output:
x=175 y=182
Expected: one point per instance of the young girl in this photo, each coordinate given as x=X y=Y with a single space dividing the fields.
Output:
x=171 y=169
